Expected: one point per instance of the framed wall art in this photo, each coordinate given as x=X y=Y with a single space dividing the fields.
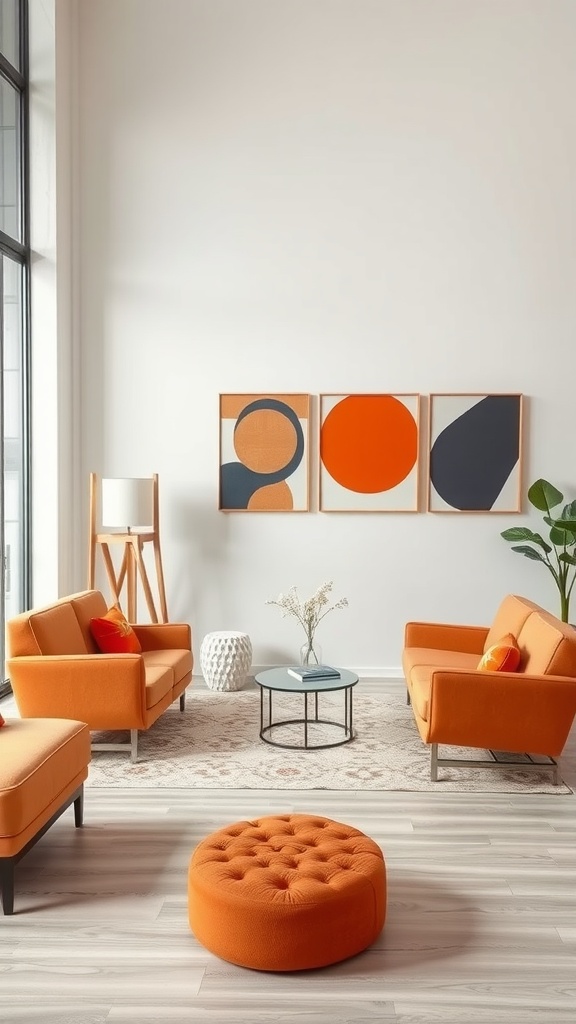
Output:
x=264 y=453
x=475 y=453
x=369 y=447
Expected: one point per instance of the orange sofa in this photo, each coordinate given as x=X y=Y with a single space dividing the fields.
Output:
x=57 y=671
x=529 y=711
x=43 y=765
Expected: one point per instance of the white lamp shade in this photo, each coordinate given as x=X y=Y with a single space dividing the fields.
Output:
x=127 y=502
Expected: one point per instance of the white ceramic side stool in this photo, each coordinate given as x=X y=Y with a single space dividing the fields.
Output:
x=225 y=657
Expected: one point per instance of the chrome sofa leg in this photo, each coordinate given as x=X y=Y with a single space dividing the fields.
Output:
x=434 y=762
x=133 y=745
x=182 y=701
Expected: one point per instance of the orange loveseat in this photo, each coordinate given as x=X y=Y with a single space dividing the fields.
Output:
x=57 y=671
x=529 y=711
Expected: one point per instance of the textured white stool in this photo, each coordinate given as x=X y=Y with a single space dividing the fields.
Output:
x=225 y=657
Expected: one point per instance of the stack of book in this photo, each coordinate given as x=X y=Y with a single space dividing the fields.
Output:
x=310 y=673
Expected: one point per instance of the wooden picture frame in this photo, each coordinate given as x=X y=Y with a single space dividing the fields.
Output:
x=475 y=452
x=369 y=452
x=264 y=452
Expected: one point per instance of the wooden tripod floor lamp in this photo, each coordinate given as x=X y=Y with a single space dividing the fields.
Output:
x=129 y=508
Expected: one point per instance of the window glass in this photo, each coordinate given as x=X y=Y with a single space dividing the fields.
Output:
x=9 y=35
x=9 y=161
x=13 y=434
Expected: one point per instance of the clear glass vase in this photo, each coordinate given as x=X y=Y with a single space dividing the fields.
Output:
x=311 y=653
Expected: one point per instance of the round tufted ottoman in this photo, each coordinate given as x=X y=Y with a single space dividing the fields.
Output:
x=287 y=892
x=225 y=657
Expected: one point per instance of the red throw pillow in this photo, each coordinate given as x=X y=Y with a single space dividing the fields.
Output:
x=1 y=721
x=503 y=656
x=114 y=634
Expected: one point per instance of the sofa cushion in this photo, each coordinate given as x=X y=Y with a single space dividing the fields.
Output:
x=510 y=618
x=503 y=656
x=179 y=661
x=88 y=604
x=159 y=681
x=114 y=634
x=413 y=657
x=547 y=646
x=56 y=631
x=46 y=631
x=420 y=662
x=420 y=683
x=40 y=757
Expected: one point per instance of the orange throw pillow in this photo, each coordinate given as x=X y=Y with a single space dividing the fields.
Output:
x=114 y=634
x=503 y=656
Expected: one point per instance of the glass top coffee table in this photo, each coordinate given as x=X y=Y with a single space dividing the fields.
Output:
x=276 y=680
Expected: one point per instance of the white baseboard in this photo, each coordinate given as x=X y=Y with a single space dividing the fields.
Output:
x=369 y=672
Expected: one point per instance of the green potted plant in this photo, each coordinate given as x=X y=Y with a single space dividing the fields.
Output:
x=558 y=552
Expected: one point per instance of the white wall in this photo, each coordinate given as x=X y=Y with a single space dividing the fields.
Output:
x=323 y=195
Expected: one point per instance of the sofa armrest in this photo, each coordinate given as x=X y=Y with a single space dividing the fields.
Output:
x=509 y=711
x=164 y=636
x=446 y=637
x=104 y=690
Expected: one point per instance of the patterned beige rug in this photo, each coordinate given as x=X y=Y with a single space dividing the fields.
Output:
x=215 y=745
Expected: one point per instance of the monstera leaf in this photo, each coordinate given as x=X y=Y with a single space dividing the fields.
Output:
x=567 y=559
x=554 y=553
x=522 y=533
x=544 y=496
x=530 y=553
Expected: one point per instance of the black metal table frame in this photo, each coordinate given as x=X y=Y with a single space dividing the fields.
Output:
x=346 y=726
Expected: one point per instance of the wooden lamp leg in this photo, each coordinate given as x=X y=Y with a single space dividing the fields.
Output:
x=131 y=581
x=115 y=584
x=160 y=575
x=157 y=555
x=137 y=554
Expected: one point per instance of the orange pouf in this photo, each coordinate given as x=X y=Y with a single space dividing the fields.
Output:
x=287 y=893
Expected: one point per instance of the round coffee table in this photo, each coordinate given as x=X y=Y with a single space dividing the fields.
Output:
x=275 y=680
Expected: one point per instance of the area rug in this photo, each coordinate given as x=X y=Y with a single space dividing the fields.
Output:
x=215 y=744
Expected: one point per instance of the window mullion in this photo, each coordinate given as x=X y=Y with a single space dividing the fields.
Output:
x=11 y=74
x=11 y=247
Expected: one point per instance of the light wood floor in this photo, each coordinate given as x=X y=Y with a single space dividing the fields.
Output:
x=481 y=922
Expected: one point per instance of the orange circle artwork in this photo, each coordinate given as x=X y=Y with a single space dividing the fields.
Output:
x=264 y=440
x=275 y=497
x=369 y=443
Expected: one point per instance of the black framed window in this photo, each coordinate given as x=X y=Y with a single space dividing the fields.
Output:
x=14 y=318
